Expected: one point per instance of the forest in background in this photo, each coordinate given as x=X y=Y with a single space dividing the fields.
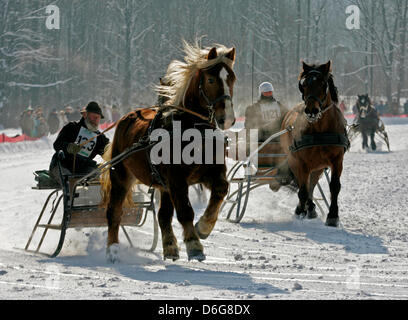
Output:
x=115 y=51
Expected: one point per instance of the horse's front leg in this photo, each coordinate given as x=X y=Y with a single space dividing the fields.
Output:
x=365 y=139
x=302 y=174
x=335 y=186
x=219 y=189
x=178 y=189
x=169 y=241
x=373 y=145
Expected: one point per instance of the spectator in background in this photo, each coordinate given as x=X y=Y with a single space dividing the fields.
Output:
x=27 y=122
x=53 y=121
x=70 y=114
x=395 y=107
x=115 y=113
x=38 y=114
x=343 y=107
x=62 y=118
x=107 y=111
x=406 y=107
x=355 y=109
x=42 y=127
x=380 y=107
x=77 y=114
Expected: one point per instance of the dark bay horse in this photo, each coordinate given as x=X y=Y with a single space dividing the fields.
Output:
x=201 y=89
x=318 y=139
x=367 y=120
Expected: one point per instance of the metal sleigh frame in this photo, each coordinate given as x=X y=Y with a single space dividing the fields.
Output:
x=90 y=215
x=239 y=197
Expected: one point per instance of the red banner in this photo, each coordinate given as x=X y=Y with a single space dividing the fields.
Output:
x=19 y=138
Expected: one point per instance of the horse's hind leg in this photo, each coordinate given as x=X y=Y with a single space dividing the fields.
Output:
x=114 y=211
x=169 y=241
x=335 y=186
x=185 y=215
x=205 y=225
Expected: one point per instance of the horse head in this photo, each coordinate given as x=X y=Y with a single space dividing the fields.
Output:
x=211 y=90
x=317 y=88
x=363 y=105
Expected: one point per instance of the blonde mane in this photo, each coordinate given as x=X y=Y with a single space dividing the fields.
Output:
x=179 y=74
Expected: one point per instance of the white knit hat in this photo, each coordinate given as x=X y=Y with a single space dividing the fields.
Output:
x=265 y=87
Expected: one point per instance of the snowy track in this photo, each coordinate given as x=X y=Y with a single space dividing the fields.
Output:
x=270 y=255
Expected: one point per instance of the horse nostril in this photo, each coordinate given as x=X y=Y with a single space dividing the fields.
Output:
x=221 y=121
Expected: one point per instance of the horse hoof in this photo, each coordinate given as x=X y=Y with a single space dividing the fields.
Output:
x=311 y=214
x=112 y=253
x=300 y=215
x=172 y=257
x=199 y=233
x=171 y=252
x=196 y=255
x=332 y=222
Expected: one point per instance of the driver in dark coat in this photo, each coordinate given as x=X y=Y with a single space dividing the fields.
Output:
x=72 y=135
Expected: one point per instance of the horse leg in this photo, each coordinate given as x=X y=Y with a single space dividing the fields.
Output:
x=372 y=136
x=310 y=205
x=303 y=194
x=114 y=212
x=335 y=186
x=219 y=189
x=185 y=215
x=169 y=241
x=365 y=139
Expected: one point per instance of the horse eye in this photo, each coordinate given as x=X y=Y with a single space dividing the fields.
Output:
x=210 y=80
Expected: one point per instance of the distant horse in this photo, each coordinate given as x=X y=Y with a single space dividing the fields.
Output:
x=318 y=139
x=200 y=96
x=367 y=120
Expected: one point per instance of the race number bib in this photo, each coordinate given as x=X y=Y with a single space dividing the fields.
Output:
x=85 y=135
x=270 y=111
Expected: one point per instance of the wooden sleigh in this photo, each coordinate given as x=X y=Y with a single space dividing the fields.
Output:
x=80 y=197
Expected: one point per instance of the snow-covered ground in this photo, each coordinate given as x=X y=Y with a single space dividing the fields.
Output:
x=269 y=255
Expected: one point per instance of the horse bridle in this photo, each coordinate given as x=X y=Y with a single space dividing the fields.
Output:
x=363 y=108
x=211 y=103
x=310 y=96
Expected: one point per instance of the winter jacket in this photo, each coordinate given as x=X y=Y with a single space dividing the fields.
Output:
x=266 y=115
x=71 y=133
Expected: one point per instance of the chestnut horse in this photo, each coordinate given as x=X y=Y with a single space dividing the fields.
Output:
x=200 y=96
x=318 y=139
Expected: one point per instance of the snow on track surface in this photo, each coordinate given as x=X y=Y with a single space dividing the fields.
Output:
x=269 y=255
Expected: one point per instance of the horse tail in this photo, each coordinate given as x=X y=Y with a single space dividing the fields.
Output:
x=112 y=150
x=105 y=180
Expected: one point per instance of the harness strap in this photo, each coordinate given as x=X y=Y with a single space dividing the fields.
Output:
x=156 y=176
x=320 y=139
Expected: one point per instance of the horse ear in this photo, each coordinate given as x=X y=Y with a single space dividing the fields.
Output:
x=306 y=67
x=326 y=68
x=231 y=55
x=212 y=54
